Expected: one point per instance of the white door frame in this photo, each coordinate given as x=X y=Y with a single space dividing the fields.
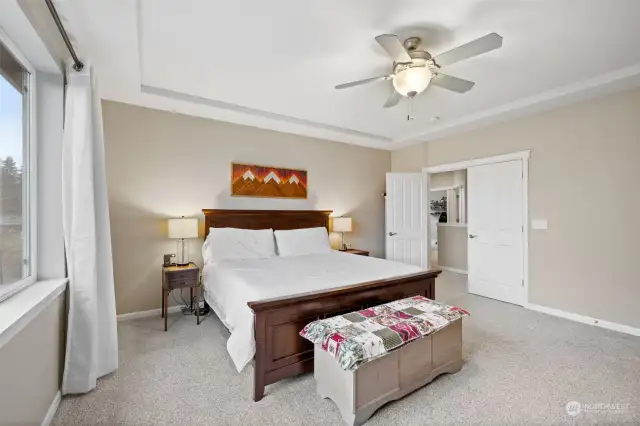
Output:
x=515 y=156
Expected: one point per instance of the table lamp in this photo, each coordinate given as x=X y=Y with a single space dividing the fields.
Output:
x=182 y=229
x=342 y=225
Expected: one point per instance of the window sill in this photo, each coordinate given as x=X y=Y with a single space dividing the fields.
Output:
x=18 y=310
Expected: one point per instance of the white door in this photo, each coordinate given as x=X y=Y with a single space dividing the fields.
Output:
x=407 y=230
x=496 y=233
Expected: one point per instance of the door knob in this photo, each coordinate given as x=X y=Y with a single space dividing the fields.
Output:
x=391 y=234
x=472 y=236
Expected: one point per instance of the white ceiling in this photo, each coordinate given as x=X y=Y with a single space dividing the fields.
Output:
x=274 y=64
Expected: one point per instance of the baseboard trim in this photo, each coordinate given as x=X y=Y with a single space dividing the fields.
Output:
x=151 y=313
x=51 y=412
x=456 y=270
x=146 y=314
x=585 y=319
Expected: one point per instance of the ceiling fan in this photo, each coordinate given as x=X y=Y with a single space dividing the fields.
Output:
x=414 y=70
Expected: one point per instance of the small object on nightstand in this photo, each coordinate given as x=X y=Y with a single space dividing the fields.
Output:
x=176 y=276
x=356 y=251
x=169 y=260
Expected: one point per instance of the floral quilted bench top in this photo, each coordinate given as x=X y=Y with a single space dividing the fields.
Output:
x=361 y=336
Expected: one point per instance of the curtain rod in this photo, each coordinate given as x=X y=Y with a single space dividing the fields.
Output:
x=77 y=65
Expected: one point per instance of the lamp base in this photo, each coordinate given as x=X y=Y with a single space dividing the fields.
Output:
x=343 y=246
x=182 y=258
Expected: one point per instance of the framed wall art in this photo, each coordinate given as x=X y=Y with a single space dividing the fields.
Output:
x=250 y=180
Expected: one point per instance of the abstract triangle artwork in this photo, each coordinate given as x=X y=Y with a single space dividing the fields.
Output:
x=248 y=180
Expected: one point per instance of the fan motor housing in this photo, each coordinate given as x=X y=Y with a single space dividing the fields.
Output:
x=420 y=55
x=412 y=43
x=419 y=58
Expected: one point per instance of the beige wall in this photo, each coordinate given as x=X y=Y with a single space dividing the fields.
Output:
x=31 y=366
x=162 y=165
x=441 y=180
x=410 y=159
x=584 y=173
x=452 y=247
x=446 y=179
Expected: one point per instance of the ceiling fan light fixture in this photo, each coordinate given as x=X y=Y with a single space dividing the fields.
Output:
x=414 y=79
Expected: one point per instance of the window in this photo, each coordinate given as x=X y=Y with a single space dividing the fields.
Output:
x=16 y=225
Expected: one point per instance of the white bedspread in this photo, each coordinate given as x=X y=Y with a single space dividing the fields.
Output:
x=229 y=285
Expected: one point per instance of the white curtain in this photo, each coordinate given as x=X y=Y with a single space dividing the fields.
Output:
x=92 y=343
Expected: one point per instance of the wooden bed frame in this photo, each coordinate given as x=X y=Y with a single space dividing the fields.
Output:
x=280 y=351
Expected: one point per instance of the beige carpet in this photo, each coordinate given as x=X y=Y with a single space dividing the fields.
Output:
x=522 y=367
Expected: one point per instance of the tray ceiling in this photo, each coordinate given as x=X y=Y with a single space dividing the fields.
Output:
x=274 y=64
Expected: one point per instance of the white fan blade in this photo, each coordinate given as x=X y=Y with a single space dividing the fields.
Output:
x=474 y=48
x=391 y=43
x=393 y=99
x=365 y=81
x=454 y=84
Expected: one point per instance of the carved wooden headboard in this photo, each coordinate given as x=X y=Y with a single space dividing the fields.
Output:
x=265 y=219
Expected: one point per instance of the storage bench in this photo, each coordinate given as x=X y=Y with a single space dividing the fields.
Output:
x=361 y=372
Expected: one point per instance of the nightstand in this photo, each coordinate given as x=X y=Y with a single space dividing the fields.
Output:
x=356 y=251
x=174 y=277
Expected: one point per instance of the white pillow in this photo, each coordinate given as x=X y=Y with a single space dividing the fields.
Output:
x=303 y=241
x=234 y=243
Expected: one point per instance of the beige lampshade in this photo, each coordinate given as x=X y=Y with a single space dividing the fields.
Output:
x=342 y=224
x=183 y=227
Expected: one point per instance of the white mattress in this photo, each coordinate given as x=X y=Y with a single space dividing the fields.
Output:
x=229 y=285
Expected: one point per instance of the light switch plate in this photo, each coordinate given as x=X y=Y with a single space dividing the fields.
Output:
x=539 y=224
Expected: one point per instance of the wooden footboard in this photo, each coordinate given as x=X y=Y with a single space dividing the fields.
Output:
x=282 y=353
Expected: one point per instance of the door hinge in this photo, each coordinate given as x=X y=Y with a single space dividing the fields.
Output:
x=523 y=282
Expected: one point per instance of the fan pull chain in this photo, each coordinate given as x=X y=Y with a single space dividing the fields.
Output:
x=410 y=114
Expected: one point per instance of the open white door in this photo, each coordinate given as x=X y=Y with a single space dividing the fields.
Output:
x=407 y=231
x=496 y=232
